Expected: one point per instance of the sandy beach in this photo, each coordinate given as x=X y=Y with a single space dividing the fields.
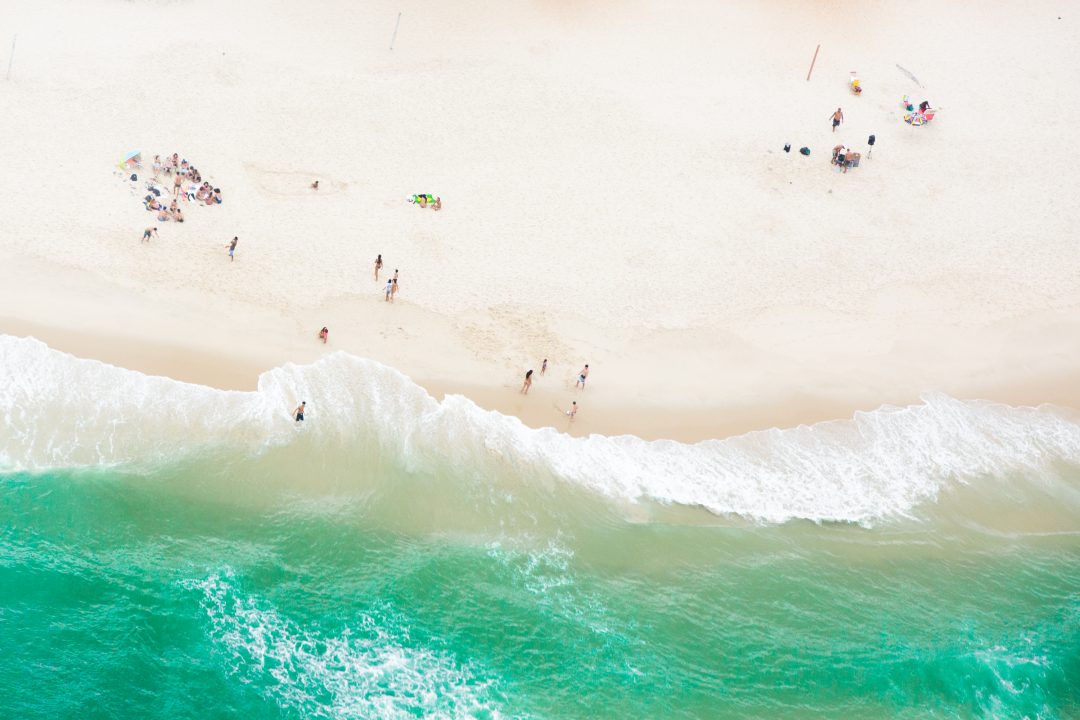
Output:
x=615 y=193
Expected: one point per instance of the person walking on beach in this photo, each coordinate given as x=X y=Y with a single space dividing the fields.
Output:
x=837 y=118
x=393 y=288
x=298 y=413
x=572 y=411
x=527 y=384
x=232 y=248
x=147 y=232
x=378 y=266
x=543 y=366
x=324 y=334
x=582 y=376
x=389 y=289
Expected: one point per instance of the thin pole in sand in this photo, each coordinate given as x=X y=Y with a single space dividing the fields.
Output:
x=11 y=58
x=812 y=63
x=396 y=26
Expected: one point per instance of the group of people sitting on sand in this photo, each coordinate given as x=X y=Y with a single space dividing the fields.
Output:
x=187 y=184
x=845 y=158
x=164 y=214
x=426 y=200
x=204 y=193
x=173 y=164
x=154 y=200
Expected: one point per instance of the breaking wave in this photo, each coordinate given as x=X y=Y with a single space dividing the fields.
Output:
x=62 y=412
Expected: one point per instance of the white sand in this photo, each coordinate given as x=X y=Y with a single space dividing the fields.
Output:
x=614 y=185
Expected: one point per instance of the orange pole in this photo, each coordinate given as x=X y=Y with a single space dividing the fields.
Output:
x=812 y=63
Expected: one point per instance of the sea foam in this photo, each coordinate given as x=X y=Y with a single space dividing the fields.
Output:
x=368 y=669
x=62 y=412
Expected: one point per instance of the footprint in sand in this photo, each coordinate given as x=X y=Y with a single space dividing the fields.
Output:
x=284 y=182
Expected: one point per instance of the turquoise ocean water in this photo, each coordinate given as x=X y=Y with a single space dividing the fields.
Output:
x=172 y=551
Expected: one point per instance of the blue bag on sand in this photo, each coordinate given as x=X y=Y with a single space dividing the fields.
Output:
x=805 y=150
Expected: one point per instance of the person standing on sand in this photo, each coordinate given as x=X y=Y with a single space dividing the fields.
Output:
x=298 y=413
x=324 y=334
x=176 y=184
x=582 y=376
x=543 y=366
x=147 y=232
x=232 y=248
x=572 y=411
x=378 y=266
x=527 y=384
x=393 y=289
x=389 y=289
x=837 y=118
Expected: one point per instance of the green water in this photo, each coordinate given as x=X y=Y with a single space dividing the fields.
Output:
x=230 y=589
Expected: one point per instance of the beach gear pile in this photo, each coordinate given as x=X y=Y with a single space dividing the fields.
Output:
x=917 y=116
x=426 y=200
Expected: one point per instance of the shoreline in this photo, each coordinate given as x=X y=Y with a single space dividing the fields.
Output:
x=542 y=407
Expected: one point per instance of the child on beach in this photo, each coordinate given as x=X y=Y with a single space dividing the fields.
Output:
x=393 y=288
x=232 y=248
x=389 y=289
x=572 y=411
x=147 y=232
x=324 y=334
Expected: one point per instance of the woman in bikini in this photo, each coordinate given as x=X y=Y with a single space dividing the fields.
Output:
x=527 y=384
